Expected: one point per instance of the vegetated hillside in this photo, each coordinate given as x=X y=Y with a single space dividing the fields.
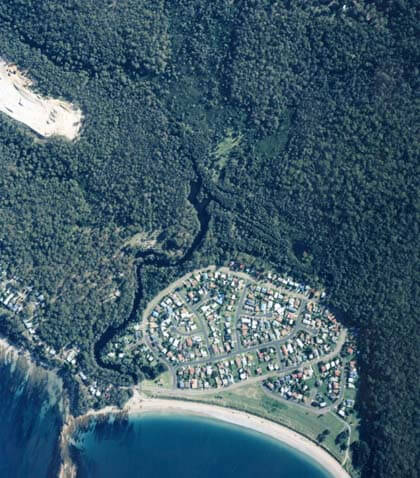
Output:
x=321 y=182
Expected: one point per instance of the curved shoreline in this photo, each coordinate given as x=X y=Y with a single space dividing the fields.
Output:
x=139 y=405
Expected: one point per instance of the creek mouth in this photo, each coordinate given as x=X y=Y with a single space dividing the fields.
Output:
x=159 y=259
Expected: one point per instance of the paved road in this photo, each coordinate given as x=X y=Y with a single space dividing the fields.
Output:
x=203 y=326
x=238 y=313
x=240 y=349
x=278 y=373
x=317 y=411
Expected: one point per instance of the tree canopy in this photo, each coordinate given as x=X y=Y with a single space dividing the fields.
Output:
x=323 y=181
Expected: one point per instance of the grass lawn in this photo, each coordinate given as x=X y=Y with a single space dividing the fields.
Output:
x=350 y=393
x=163 y=381
x=226 y=146
x=353 y=421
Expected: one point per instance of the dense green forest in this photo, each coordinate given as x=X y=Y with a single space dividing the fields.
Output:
x=297 y=122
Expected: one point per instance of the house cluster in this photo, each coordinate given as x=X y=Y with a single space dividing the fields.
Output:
x=345 y=408
x=319 y=334
x=70 y=355
x=351 y=376
x=15 y=297
x=216 y=313
x=219 y=287
x=259 y=330
x=306 y=346
x=124 y=349
x=174 y=331
x=27 y=304
x=214 y=296
x=178 y=348
x=122 y=345
x=329 y=383
x=293 y=386
x=270 y=301
x=217 y=374
x=172 y=314
x=267 y=361
x=120 y=351
x=315 y=314
x=267 y=315
x=276 y=279
x=320 y=389
x=221 y=327
x=94 y=388
x=18 y=299
x=223 y=373
x=206 y=299
x=221 y=334
x=330 y=374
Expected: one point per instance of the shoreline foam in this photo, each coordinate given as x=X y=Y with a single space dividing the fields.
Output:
x=18 y=357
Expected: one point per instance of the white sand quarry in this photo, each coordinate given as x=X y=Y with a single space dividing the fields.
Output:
x=46 y=116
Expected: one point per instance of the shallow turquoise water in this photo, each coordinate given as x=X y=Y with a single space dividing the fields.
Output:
x=159 y=446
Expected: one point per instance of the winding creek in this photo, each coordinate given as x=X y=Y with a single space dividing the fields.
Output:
x=159 y=259
x=109 y=448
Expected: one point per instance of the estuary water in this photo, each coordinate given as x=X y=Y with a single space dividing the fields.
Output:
x=178 y=446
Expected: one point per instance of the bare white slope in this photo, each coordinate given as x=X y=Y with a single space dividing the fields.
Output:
x=46 y=116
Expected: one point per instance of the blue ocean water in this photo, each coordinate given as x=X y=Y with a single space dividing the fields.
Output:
x=30 y=419
x=175 y=446
x=148 y=446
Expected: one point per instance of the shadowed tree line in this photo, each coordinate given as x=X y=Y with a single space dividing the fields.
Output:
x=322 y=183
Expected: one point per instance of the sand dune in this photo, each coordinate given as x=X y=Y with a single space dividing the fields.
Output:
x=46 y=116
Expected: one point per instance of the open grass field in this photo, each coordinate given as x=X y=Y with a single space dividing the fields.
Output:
x=164 y=381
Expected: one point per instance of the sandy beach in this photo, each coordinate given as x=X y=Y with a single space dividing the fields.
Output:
x=139 y=405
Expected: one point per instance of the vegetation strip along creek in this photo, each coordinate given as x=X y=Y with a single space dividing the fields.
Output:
x=159 y=259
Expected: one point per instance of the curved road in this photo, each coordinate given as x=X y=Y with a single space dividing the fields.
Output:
x=251 y=380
